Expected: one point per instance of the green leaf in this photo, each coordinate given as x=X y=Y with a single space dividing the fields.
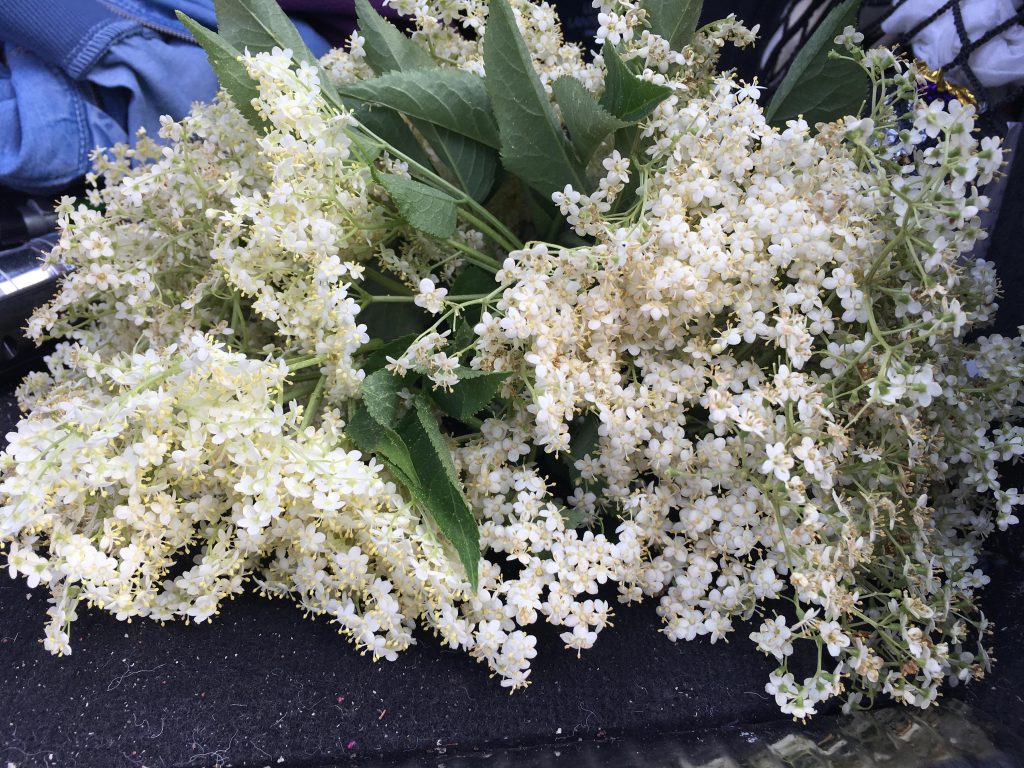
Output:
x=259 y=25
x=588 y=122
x=474 y=391
x=393 y=321
x=231 y=73
x=451 y=98
x=370 y=426
x=473 y=279
x=380 y=396
x=387 y=49
x=583 y=440
x=370 y=436
x=817 y=87
x=627 y=96
x=446 y=506
x=427 y=209
x=674 y=20
x=389 y=126
x=584 y=435
x=533 y=146
x=440 y=490
x=427 y=422
x=377 y=351
x=473 y=164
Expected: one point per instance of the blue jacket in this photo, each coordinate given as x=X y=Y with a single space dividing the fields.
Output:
x=78 y=74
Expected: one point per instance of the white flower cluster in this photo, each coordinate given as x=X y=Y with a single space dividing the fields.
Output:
x=160 y=482
x=750 y=386
x=768 y=352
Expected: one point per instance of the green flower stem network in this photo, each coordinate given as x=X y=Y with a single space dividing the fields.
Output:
x=471 y=330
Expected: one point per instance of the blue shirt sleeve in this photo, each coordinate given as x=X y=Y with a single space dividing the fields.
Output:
x=80 y=74
x=48 y=125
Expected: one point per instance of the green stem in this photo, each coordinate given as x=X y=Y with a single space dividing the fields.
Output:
x=405 y=299
x=473 y=255
x=873 y=324
x=386 y=282
x=303 y=362
x=300 y=390
x=238 y=320
x=504 y=238
x=313 y=406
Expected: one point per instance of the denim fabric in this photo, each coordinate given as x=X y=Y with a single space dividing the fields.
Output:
x=48 y=124
x=159 y=15
x=80 y=74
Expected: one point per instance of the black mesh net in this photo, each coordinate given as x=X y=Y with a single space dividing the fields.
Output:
x=960 y=65
x=784 y=33
x=787 y=24
x=797 y=20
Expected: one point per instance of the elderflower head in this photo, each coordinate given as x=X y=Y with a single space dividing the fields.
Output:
x=712 y=345
x=218 y=482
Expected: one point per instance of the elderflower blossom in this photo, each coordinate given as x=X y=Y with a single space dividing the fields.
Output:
x=746 y=365
x=230 y=480
x=430 y=297
x=704 y=343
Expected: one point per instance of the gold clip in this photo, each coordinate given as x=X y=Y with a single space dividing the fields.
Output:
x=959 y=92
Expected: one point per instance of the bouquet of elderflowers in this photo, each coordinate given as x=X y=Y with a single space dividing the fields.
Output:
x=468 y=330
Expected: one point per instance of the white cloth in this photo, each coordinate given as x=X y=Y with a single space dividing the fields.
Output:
x=998 y=62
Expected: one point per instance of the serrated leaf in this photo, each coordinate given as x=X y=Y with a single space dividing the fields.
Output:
x=473 y=392
x=817 y=87
x=440 y=490
x=427 y=209
x=628 y=97
x=380 y=396
x=473 y=164
x=588 y=122
x=451 y=98
x=425 y=417
x=674 y=20
x=377 y=351
x=533 y=146
x=231 y=73
x=259 y=25
x=388 y=125
x=448 y=509
x=370 y=436
x=387 y=49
